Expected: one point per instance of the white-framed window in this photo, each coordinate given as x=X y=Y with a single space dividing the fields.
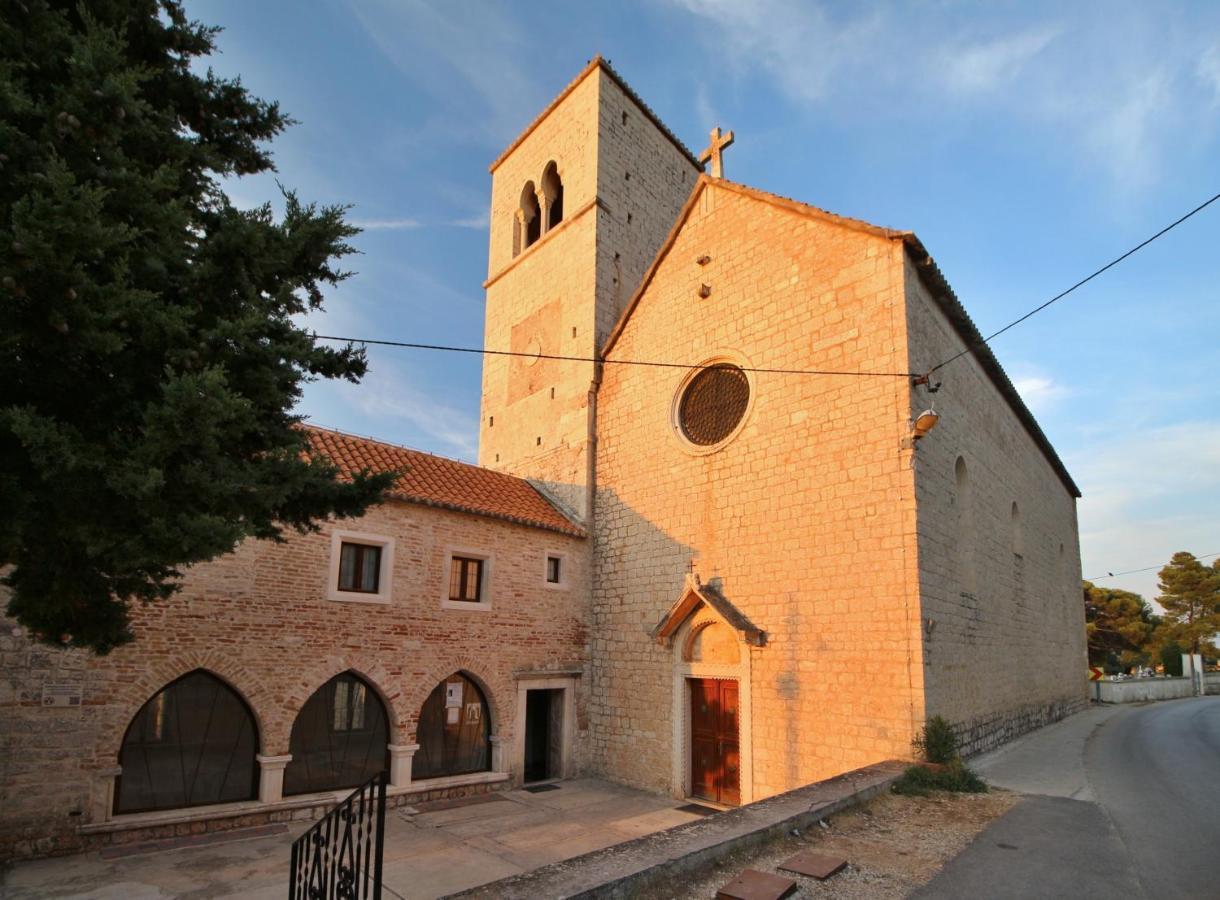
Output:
x=555 y=570
x=466 y=579
x=361 y=567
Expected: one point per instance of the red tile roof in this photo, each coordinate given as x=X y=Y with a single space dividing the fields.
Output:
x=447 y=483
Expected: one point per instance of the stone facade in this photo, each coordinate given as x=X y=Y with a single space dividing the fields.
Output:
x=883 y=600
x=999 y=551
x=262 y=620
x=850 y=580
x=804 y=520
x=624 y=180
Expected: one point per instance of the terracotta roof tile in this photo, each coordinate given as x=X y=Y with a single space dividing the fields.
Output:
x=447 y=483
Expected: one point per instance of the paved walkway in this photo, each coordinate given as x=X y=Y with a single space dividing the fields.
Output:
x=1121 y=802
x=427 y=854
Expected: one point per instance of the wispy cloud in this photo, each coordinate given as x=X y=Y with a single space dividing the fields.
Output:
x=1208 y=72
x=387 y=224
x=479 y=221
x=800 y=44
x=1039 y=392
x=1148 y=492
x=387 y=396
x=987 y=65
x=462 y=53
x=1117 y=95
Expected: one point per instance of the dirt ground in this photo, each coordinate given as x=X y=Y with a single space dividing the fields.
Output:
x=893 y=845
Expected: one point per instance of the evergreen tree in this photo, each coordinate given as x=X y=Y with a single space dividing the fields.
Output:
x=1190 y=595
x=1119 y=624
x=149 y=357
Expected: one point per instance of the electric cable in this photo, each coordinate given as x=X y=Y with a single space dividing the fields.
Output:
x=1148 y=568
x=1114 y=262
x=594 y=359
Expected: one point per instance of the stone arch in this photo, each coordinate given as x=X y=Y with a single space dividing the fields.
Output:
x=551 y=189
x=710 y=641
x=702 y=621
x=963 y=499
x=300 y=689
x=494 y=690
x=452 y=736
x=527 y=221
x=197 y=747
x=130 y=697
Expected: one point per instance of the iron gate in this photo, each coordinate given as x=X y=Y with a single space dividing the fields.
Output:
x=339 y=858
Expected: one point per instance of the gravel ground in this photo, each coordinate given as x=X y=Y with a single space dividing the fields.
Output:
x=893 y=845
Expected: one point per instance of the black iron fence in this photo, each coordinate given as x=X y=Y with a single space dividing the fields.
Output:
x=339 y=858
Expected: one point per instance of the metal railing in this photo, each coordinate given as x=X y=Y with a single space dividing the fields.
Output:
x=339 y=857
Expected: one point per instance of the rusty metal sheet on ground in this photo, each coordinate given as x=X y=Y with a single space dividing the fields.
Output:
x=754 y=885
x=817 y=865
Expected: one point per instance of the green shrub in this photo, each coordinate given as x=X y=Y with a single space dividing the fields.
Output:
x=919 y=781
x=936 y=743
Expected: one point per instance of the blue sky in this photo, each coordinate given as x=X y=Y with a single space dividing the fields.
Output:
x=1026 y=144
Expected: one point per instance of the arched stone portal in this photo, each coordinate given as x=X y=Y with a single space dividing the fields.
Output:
x=711 y=639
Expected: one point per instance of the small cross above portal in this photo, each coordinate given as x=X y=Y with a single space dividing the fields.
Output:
x=714 y=151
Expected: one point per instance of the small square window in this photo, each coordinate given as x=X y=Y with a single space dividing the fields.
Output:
x=552 y=569
x=465 y=579
x=359 y=568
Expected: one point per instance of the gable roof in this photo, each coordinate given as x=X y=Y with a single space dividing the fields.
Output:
x=694 y=594
x=598 y=63
x=929 y=273
x=446 y=483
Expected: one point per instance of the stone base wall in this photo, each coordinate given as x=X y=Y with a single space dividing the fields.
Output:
x=66 y=843
x=987 y=732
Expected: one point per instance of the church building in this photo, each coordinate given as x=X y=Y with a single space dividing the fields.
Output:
x=712 y=547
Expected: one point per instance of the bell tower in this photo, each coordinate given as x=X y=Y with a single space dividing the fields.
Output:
x=580 y=203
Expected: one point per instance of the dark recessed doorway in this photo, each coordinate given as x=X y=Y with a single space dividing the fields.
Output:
x=543 y=734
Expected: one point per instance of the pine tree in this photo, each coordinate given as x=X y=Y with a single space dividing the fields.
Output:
x=1119 y=624
x=149 y=357
x=1190 y=595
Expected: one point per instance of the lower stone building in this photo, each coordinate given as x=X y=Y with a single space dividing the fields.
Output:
x=441 y=636
x=706 y=551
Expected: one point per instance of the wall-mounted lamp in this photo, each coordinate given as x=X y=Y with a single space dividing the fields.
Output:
x=924 y=423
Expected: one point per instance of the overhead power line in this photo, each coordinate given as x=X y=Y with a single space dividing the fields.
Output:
x=1148 y=568
x=1114 y=262
x=832 y=372
x=617 y=362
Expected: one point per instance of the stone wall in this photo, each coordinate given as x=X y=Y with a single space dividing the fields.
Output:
x=624 y=182
x=643 y=180
x=1004 y=646
x=804 y=519
x=1141 y=690
x=261 y=620
x=990 y=730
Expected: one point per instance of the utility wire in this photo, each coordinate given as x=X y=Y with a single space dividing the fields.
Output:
x=1148 y=569
x=1081 y=283
x=597 y=359
x=863 y=374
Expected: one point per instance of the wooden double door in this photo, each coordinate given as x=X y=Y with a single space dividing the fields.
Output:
x=715 y=758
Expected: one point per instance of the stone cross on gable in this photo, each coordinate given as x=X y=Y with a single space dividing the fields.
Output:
x=714 y=151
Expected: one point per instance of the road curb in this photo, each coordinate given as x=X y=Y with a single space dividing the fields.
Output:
x=625 y=869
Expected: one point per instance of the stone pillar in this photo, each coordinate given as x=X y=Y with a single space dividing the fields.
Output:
x=102 y=795
x=544 y=210
x=401 y=756
x=498 y=752
x=271 y=779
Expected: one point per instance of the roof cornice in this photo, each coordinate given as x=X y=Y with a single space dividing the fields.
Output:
x=593 y=65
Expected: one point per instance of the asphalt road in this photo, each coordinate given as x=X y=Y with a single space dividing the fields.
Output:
x=1122 y=801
